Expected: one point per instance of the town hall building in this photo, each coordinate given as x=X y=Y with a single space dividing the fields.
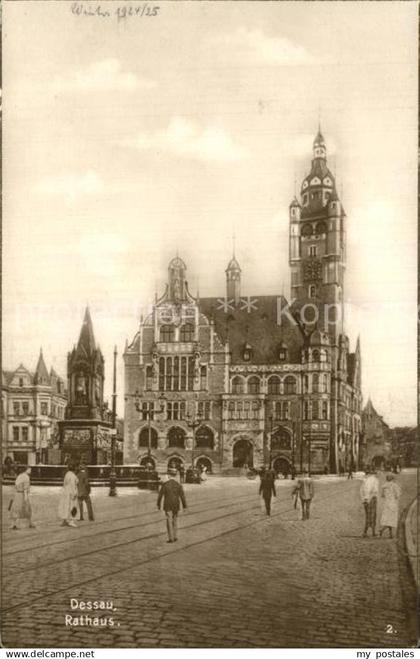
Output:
x=239 y=381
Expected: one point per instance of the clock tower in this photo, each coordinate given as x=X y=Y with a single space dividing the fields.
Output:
x=317 y=247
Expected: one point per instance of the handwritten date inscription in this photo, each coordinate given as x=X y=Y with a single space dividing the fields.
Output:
x=120 y=12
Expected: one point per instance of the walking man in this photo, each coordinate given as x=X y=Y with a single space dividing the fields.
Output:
x=267 y=489
x=305 y=490
x=369 y=496
x=172 y=493
x=83 y=492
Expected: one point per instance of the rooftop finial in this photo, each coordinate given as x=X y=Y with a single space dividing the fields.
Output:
x=233 y=242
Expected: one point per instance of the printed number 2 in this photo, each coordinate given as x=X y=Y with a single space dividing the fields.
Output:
x=390 y=630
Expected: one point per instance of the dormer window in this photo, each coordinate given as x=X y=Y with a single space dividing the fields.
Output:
x=20 y=382
x=247 y=353
x=282 y=353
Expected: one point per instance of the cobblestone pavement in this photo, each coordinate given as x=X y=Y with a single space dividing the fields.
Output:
x=234 y=579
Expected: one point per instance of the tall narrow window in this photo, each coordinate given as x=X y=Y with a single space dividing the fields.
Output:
x=315 y=383
x=312 y=250
x=161 y=373
x=16 y=409
x=149 y=377
x=312 y=291
x=176 y=375
x=306 y=410
x=25 y=434
x=168 y=374
x=15 y=433
x=325 y=410
x=203 y=377
x=190 y=373
x=183 y=373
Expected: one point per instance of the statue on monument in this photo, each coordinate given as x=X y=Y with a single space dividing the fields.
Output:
x=81 y=389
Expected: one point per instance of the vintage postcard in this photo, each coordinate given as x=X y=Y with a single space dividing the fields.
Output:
x=209 y=371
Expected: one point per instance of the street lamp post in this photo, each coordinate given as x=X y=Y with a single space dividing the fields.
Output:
x=193 y=422
x=271 y=440
x=293 y=449
x=112 y=475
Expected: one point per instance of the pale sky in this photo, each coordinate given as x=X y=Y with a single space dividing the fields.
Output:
x=127 y=140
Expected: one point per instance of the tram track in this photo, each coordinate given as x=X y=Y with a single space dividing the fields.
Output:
x=138 y=516
x=159 y=556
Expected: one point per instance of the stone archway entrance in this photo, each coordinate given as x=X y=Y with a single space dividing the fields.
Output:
x=175 y=463
x=148 y=461
x=204 y=462
x=378 y=461
x=281 y=465
x=243 y=453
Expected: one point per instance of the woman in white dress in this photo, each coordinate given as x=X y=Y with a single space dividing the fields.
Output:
x=21 y=506
x=68 y=497
x=391 y=493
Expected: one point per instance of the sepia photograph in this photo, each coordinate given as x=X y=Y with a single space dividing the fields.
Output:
x=209 y=325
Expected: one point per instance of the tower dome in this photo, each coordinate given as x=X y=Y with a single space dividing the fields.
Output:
x=318 y=187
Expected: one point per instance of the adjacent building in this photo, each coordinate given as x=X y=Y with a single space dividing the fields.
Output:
x=376 y=445
x=249 y=380
x=32 y=406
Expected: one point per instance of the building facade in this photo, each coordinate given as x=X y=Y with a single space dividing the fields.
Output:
x=236 y=380
x=376 y=446
x=32 y=406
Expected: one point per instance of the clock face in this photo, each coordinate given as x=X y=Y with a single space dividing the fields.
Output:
x=312 y=270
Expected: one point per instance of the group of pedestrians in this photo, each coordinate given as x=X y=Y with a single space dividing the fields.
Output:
x=76 y=491
x=303 y=492
x=369 y=494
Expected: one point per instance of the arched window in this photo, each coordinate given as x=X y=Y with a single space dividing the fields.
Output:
x=176 y=438
x=167 y=333
x=274 y=385
x=307 y=230
x=324 y=383
x=187 y=333
x=144 y=438
x=237 y=385
x=321 y=228
x=254 y=385
x=315 y=383
x=306 y=383
x=204 y=437
x=281 y=440
x=316 y=356
x=289 y=385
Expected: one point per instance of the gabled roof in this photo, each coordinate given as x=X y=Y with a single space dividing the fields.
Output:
x=254 y=321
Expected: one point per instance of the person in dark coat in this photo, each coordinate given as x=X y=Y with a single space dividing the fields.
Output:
x=172 y=493
x=267 y=489
x=83 y=492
